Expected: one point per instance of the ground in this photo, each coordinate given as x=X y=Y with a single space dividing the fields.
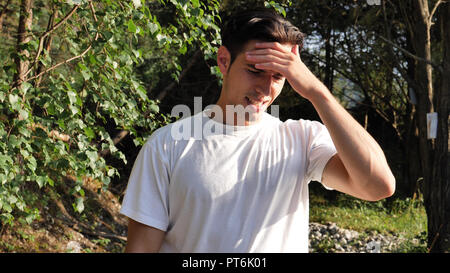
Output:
x=99 y=228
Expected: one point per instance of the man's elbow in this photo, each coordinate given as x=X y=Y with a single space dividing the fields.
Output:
x=385 y=188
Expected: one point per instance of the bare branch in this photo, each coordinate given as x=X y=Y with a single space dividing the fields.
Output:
x=430 y=18
x=417 y=58
x=48 y=32
x=61 y=63
x=74 y=57
x=91 y=6
x=65 y=18
x=47 y=45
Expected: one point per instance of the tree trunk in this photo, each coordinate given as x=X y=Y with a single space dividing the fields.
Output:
x=439 y=190
x=3 y=12
x=434 y=153
x=23 y=37
x=412 y=167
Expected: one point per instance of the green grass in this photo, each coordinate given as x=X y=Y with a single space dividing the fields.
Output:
x=403 y=218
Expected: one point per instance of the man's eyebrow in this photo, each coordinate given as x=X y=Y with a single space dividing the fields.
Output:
x=252 y=66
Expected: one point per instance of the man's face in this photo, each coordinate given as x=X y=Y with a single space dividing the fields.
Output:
x=247 y=86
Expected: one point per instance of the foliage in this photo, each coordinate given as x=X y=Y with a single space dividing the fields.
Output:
x=80 y=86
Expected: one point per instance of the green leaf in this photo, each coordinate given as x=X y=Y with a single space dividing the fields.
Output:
x=137 y=3
x=40 y=180
x=89 y=133
x=50 y=181
x=25 y=131
x=79 y=205
x=92 y=59
x=72 y=97
x=32 y=164
x=3 y=179
x=12 y=199
x=82 y=66
x=142 y=92
x=92 y=155
x=4 y=159
x=195 y=3
x=131 y=26
x=154 y=108
x=107 y=35
x=153 y=27
x=183 y=49
x=14 y=100
x=7 y=207
x=23 y=114
x=24 y=87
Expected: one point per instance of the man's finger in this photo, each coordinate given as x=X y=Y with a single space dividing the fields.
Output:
x=266 y=51
x=271 y=66
x=265 y=58
x=273 y=45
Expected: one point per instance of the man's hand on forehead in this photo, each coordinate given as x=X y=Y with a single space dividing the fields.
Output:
x=285 y=60
x=272 y=56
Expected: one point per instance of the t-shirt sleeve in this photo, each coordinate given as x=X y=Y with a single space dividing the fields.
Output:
x=146 y=196
x=320 y=150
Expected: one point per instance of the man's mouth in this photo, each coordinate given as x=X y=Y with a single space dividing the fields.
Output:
x=255 y=102
x=256 y=105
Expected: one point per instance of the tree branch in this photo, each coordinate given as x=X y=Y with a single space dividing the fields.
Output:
x=417 y=58
x=430 y=18
x=61 y=63
x=48 y=32
x=47 y=45
x=75 y=57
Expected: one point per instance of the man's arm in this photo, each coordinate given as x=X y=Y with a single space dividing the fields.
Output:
x=360 y=167
x=142 y=238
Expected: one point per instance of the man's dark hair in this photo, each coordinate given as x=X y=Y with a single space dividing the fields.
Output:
x=261 y=24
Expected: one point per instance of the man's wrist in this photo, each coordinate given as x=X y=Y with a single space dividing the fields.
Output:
x=319 y=94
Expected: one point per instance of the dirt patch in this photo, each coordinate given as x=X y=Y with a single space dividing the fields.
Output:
x=99 y=228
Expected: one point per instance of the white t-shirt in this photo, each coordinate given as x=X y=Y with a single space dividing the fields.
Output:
x=244 y=189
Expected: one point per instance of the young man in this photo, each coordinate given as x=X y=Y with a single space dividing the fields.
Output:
x=245 y=188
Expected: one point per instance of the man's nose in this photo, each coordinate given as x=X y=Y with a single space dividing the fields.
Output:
x=265 y=85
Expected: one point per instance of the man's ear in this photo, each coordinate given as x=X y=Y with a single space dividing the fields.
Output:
x=223 y=59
